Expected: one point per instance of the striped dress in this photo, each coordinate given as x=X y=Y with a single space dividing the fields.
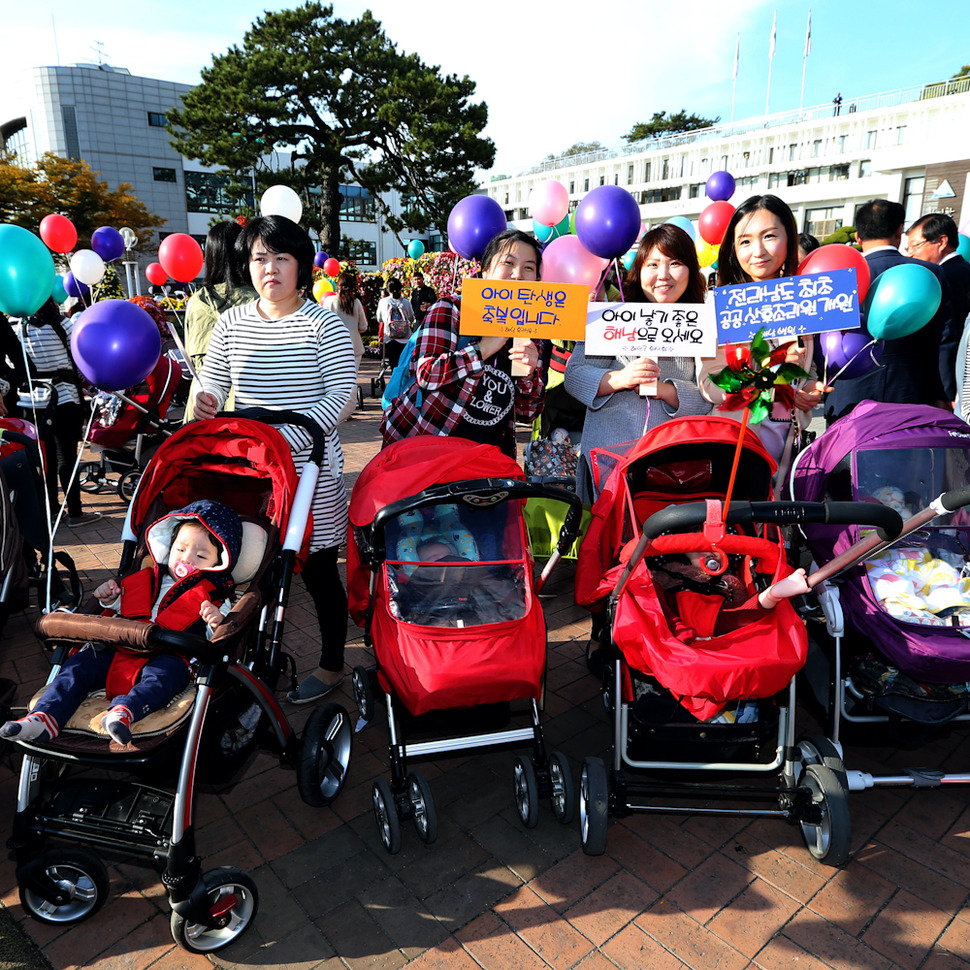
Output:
x=303 y=362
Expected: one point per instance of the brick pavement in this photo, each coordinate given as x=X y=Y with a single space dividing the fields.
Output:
x=706 y=893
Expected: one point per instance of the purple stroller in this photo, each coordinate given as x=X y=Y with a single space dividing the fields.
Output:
x=894 y=655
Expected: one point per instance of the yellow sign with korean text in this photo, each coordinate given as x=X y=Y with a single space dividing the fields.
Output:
x=514 y=308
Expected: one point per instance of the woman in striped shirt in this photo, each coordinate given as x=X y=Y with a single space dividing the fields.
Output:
x=284 y=352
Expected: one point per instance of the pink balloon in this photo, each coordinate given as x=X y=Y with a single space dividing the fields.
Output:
x=567 y=260
x=549 y=203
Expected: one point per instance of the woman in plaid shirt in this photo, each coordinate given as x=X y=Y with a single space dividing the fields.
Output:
x=469 y=392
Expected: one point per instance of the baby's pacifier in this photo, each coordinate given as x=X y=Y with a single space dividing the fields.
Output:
x=181 y=569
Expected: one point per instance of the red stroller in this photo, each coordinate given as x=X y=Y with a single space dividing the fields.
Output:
x=211 y=730
x=700 y=679
x=137 y=417
x=452 y=612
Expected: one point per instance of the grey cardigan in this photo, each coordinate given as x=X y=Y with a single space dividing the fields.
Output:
x=624 y=415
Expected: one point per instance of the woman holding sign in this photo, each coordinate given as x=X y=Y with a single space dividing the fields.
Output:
x=761 y=243
x=665 y=270
x=468 y=389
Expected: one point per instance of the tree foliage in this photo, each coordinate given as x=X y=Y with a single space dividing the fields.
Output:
x=350 y=107
x=963 y=72
x=69 y=187
x=578 y=148
x=663 y=124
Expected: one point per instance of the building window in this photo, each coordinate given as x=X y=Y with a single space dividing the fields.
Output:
x=629 y=175
x=798 y=178
x=163 y=174
x=646 y=172
x=777 y=179
x=865 y=168
x=602 y=180
x=791 y=153
x=210 y=192
x=585 y=185
x=356 y=204
x=572 y=187
x=913 y=198
x=871 y=139
x=665 y=169
x=771 y=155
x=816 y=147
x=838 y=173
x=361 y=251
x=697 y=190
x=823 y=222
x=616 y=178
x=156 y=119
x=506 y=198
x=748 y=182
x=842 y=139
x=70 y=131
x=900 y=134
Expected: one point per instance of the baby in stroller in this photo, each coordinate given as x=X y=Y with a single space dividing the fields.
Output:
x=193 y=550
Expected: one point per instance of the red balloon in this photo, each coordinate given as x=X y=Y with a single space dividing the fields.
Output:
x=181 y=257
x=332 y=267
x=58 y=233
x=156 y=274
x=713 y=221
x=838 y=256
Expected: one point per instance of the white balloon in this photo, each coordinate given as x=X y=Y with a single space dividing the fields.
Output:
x=87 y=267
x=281 y=200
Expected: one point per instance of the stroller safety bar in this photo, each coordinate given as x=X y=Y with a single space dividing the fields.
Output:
x=480 y=493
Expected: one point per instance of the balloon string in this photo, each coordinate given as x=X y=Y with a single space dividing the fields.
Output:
x=619 y=279
x=602 y=279
x=173 y=332
x=454 y=278
x=850 y=361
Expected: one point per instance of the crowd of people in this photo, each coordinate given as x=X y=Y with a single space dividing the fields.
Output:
x=257 y=339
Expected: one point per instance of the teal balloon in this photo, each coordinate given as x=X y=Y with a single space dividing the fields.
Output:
x=963 y=247
x=26 y=272
x=628 y=258
x=682 y=222
x=547 y=233
x=415 y=249
x=59 y=293
x=901 y=301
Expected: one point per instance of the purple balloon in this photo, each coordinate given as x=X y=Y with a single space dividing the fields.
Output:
x=473 y=222
x=108 y=243
x=720 y=186
x=115 y=344
x=319 y=259
x=852 y=350
x=608 y=221
x=73 y=288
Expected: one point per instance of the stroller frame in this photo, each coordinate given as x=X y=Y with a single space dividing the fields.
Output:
x=547 y=773
x=67 y=883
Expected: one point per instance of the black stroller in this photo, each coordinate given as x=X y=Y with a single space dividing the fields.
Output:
x=82 y=790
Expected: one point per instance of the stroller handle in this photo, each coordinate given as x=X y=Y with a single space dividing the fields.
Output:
x=286 y=417
x=692 y=516
x=955 y=499
x=479 y=493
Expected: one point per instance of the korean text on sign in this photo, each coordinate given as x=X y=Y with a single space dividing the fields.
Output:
x=512 y=308
x=651 y=330
x=789 y=307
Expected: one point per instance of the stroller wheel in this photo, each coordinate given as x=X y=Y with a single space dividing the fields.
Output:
x=76 y=879
x=232 y=900
x=363 y=693
x=563 y=790
x=89 y=477
x=526 y=790
x=324 y=755
x=817 y=749
x=593 y=806
x=422 y=805
x=385 y=811
x=127 y=485
x=828 y=840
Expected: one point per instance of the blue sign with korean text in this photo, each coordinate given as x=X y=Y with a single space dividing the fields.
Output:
x=789 y=307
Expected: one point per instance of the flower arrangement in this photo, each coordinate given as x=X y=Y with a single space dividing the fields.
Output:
x=154 y=311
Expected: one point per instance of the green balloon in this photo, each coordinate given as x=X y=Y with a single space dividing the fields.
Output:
x=572 y=222
x=26 y=272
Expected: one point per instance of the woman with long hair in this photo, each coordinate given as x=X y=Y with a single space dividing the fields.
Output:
x=761 y=243
x=346 y=305
x=665 y=270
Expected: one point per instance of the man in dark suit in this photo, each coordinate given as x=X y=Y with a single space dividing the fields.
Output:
x=934 y=237
x=909 y=371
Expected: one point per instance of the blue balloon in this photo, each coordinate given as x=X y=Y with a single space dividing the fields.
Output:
x=472 y=224
x=75 y=288
x=720 y=186
x=115 y=344
x=682 y=222
x=901 y=301
x=608 y=221
x=963 y=246
x=319 y=259
x=547 y=233
x=415 y=249
x=108 y=243
x=628 y=259
x=59 y=293
x=26 y=271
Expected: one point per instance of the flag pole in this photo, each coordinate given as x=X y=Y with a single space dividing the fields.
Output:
x=734 y=86
x=771 y=59
x=808 y=50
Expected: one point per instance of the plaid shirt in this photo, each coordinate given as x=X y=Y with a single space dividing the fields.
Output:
x=447 y=378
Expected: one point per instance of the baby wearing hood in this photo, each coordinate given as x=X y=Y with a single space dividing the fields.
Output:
x=193 y=551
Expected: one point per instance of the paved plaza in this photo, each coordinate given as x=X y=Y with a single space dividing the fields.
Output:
x=722 y=893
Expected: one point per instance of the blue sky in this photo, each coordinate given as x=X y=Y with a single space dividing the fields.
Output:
x=550 y=74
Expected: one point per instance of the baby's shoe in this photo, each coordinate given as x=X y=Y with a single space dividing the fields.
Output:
x=117 y=722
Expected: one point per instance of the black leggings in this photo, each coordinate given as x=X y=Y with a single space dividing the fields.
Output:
x=60 y=442
x=322 y=580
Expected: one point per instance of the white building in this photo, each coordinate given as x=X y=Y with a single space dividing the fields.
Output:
x=910 y=146
x=115 y=122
